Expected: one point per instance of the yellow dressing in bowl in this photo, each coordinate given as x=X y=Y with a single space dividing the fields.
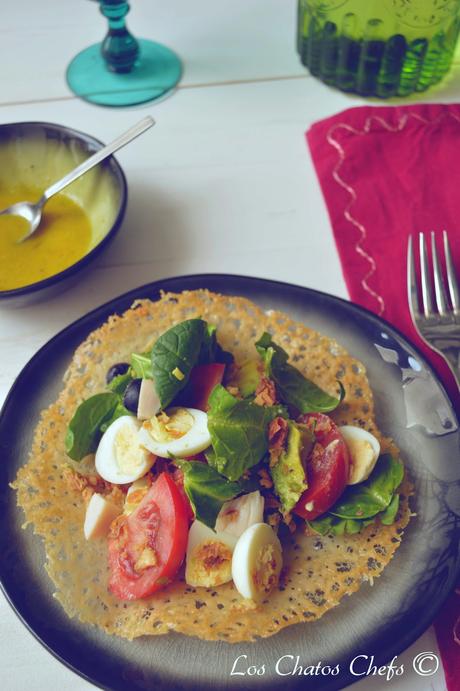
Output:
x=63 y=237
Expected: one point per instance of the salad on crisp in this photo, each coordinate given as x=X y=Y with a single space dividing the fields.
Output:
x=216 y=462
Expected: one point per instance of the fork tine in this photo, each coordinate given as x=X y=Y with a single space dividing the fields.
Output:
x=412 y=294
x=427 y=294
x=439 y=290
x=451 y=276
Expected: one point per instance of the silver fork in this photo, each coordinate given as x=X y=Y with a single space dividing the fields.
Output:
x=437 y=319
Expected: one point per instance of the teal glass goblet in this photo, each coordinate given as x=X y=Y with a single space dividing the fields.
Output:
x=123 y=70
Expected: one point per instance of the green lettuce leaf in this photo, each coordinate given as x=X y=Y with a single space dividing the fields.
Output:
x=292 y=387
x=239 y=432
x=206 y=489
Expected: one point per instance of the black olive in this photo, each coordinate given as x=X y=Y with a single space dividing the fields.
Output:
x=131 y=395
x=116 y=370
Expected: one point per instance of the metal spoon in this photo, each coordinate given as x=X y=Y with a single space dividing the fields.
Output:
x=32 y=213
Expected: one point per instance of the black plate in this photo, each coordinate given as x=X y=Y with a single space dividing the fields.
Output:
x=383 y=620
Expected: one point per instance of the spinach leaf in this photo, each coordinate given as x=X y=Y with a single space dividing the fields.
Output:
x=119 y=411
x=174 y=355
x=211 y=351
x=293 y=388
x=239 y=432
x=375 y=494
x=388 y=516
x=118 y=384
x=360 y=505
x=206 y=489
x=141 y=364
x=84 y=429
x=332 y=525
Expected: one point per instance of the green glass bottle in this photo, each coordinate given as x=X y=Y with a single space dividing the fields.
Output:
x=378 y=47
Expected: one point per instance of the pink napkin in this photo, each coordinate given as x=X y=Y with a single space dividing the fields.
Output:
x=387 y=172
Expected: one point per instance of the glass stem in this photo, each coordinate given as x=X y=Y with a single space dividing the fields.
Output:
x=119 y=48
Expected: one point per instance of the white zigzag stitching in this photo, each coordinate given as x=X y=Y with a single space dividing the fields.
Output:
x=402 y=122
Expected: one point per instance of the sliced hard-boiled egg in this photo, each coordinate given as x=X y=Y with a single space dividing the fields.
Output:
x=99 y=515
x=119 y=457
x=209 y=556
x=136 y=493
x=257 y=561
x=364 y=451
x=238 y=514
x=179 y=432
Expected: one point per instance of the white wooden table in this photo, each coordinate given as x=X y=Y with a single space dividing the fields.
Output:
x=223 y=183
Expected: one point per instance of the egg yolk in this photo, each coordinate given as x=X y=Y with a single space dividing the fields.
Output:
x=62 y=238
x=172 y=425
x=127 y=452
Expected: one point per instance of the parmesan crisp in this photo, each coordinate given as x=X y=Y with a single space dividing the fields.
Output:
x=317 y=571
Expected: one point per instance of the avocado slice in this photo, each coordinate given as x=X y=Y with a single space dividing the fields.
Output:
x=288 y=473
x=248 y=376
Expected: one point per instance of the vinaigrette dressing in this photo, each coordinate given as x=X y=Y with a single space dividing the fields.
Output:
x=63 y=237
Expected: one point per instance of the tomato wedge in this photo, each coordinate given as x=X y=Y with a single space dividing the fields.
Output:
x=327 y=467
x=147 y=547
x=203 y=378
